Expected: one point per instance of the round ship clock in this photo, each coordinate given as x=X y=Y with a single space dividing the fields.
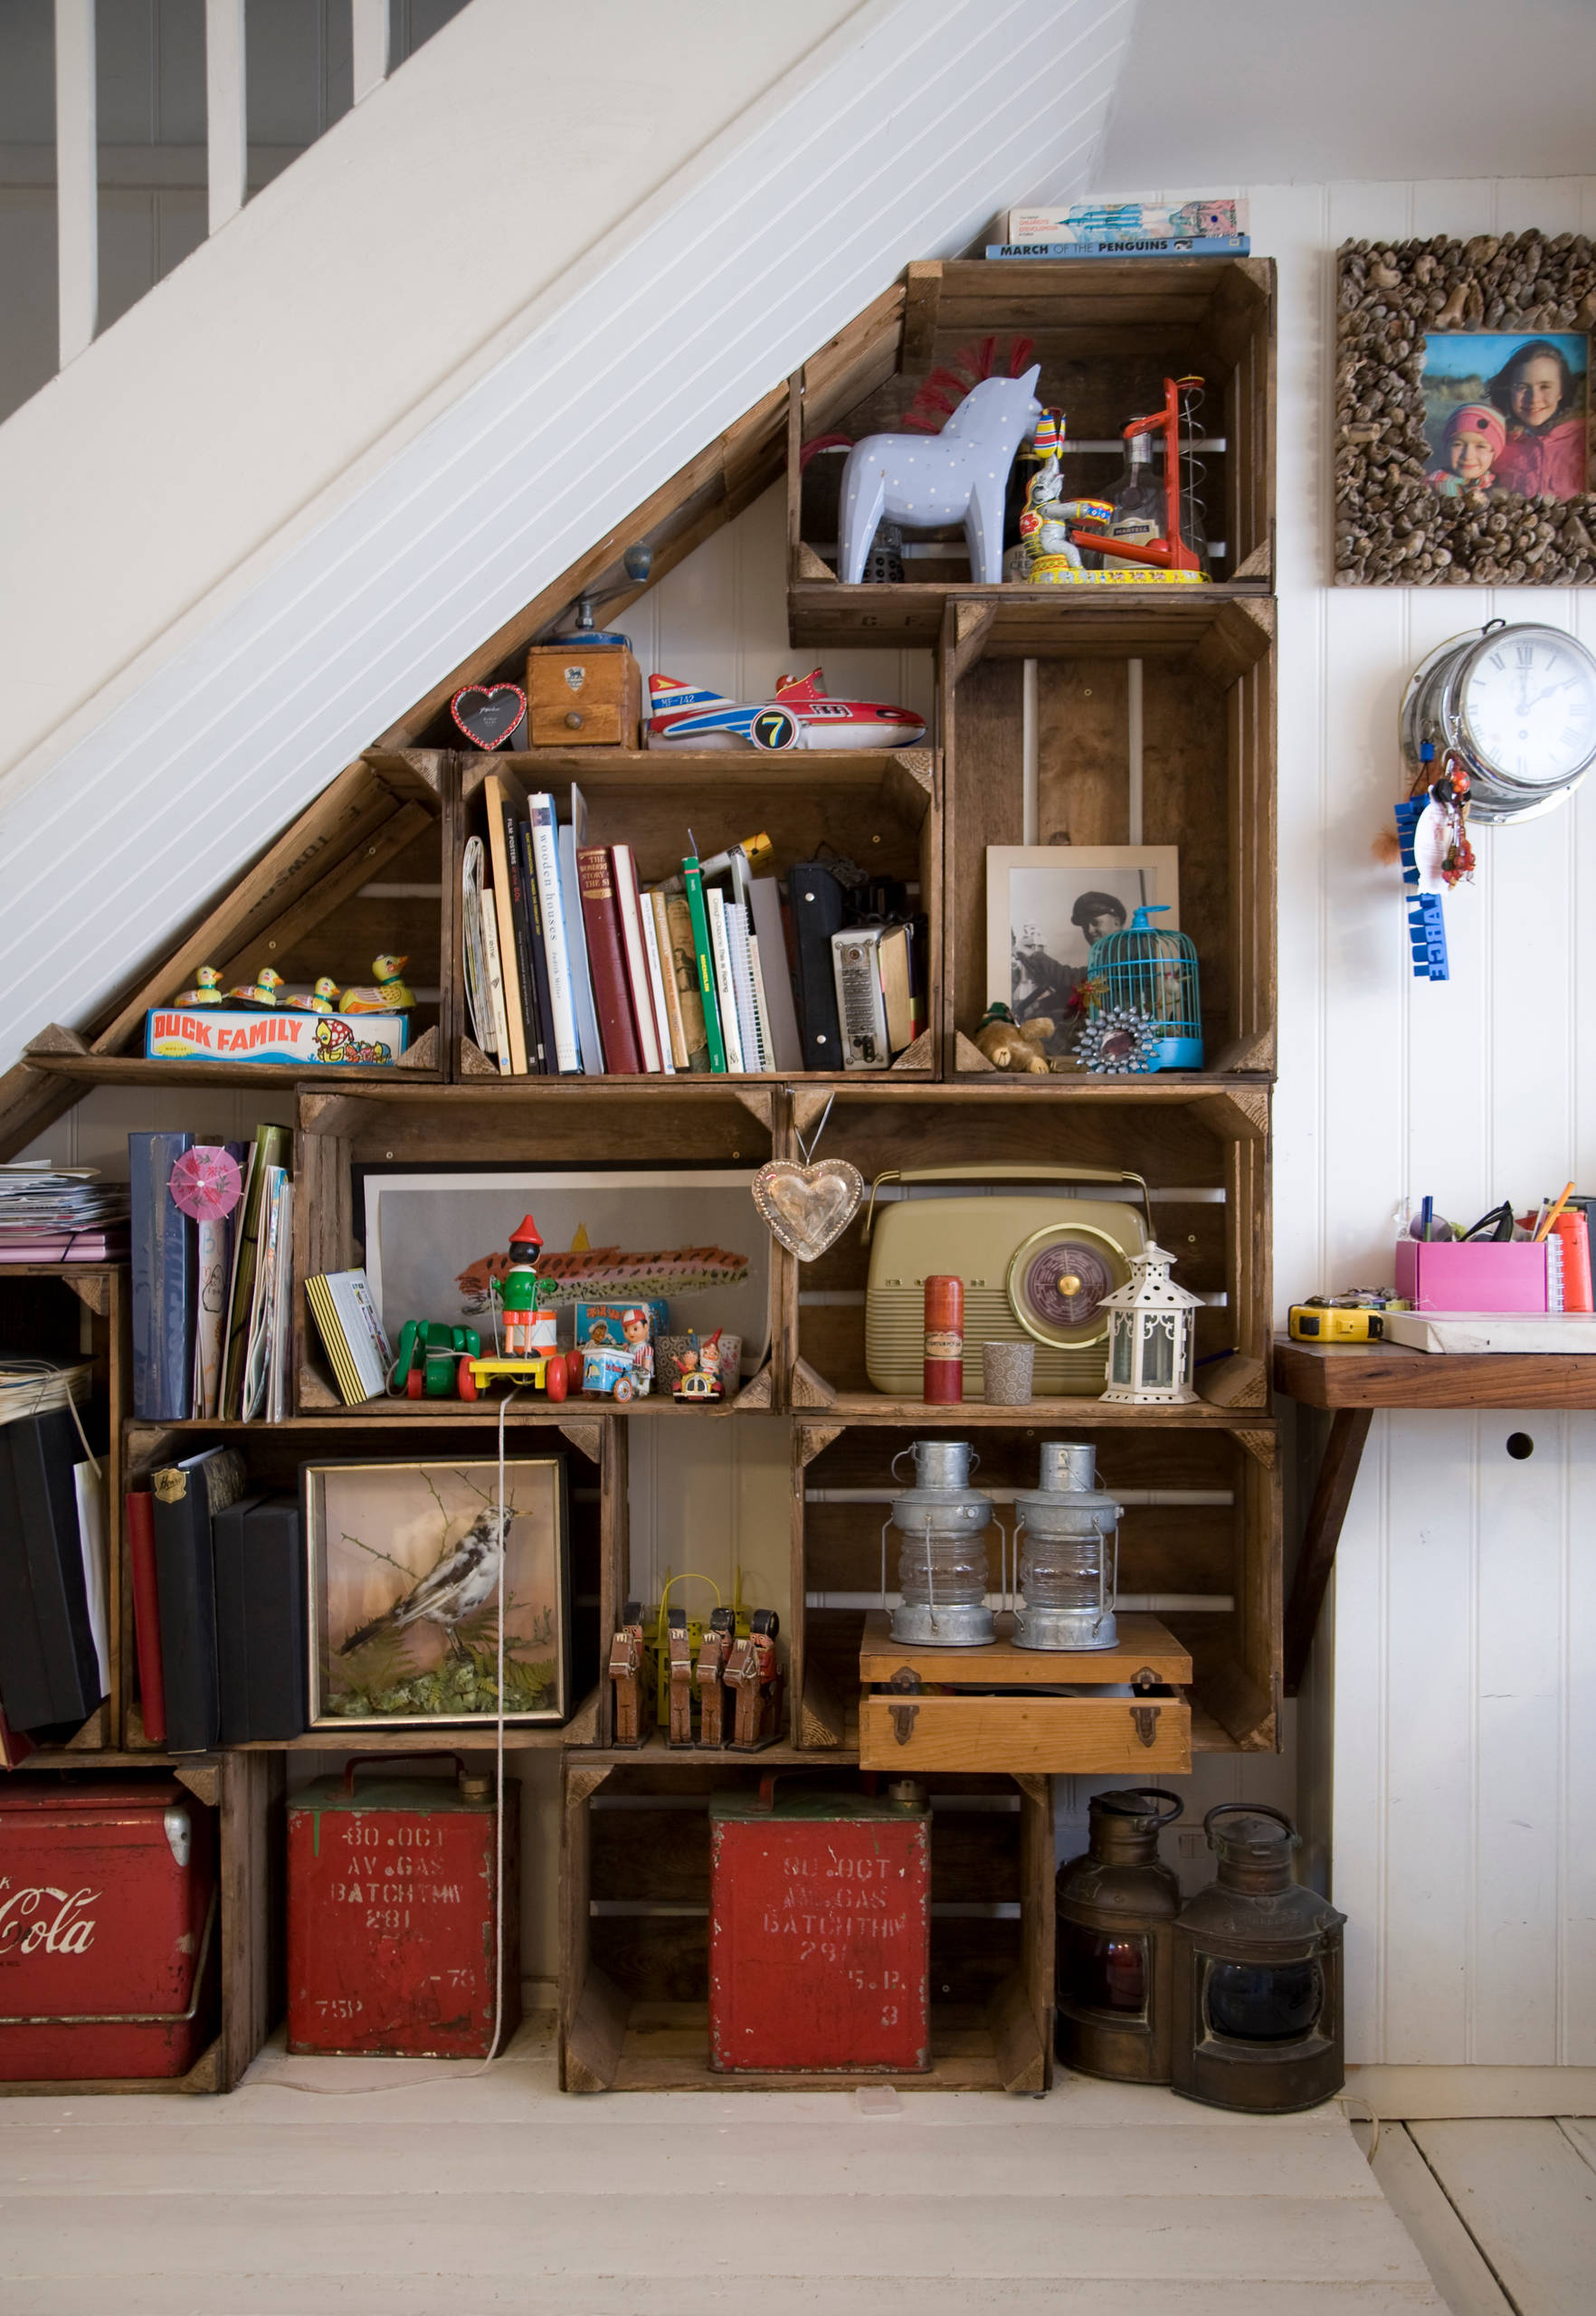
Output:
x=1517 y=706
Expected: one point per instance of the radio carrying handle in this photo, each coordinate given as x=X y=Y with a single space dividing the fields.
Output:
x=1002 y=1170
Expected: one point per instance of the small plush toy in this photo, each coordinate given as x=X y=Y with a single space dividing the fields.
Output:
x=390 y=994
x=1015 y=1046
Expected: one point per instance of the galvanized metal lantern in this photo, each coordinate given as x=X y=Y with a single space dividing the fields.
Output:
x=1116 y=1908
x=943 y=1522
x=1151 y=1334
x=1068 y=1560
x=1257 y=1981
x=1150 y=971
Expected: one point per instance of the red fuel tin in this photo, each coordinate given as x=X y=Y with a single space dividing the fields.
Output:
x=109 y=1951
x=393 y=1886
x=820 y=1935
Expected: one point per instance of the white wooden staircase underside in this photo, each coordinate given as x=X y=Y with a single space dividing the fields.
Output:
x=896 y=139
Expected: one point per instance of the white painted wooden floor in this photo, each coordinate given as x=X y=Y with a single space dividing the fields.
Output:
x=1503 y=2212
x=496 y=2194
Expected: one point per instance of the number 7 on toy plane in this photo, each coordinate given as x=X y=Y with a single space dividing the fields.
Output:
x=802 y=715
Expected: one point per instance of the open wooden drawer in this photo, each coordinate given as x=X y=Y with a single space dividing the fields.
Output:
x=999 y=1708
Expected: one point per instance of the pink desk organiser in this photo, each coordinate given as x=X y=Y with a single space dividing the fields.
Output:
x=1445 y=1275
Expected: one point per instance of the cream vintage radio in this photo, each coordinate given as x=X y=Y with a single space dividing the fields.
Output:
x=1035 y=1266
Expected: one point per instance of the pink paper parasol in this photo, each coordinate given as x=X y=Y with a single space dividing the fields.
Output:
x=205 y=1184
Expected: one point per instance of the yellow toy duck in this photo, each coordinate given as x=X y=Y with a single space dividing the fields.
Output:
x=262 y=992
x=390 y=994
x=209 y=991
x=322 y=998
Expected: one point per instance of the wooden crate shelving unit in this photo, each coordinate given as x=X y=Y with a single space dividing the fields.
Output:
x=634 y=1881
x=1105 y=335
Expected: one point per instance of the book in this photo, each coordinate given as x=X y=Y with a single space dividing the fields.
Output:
x=259 y=1342
x=650 y=941
x=627 y=901
x=1151 y=245
x=138 y=1512
x=213 y=1240
x=89 y=1490
x=725 y=993
x=659 y=907
x=280 y=1366
x=894 y=964
x=1119 y=228
x=473 y=953
x=270 y=1149
x=496 y=998
x=261 y=1677
x=816 y=901
x=165 y=1263
x=760 y=1008
x=346 y=1316
x=601 y=922
x=859 y=1006
x=684 y=968
x=692 y=881
x=764 y=909
x=187 y=1496
x=572 y=833
x=540 y=1029
x=49 y=1669
x=742 y=975
x=503 y=850
x=545 y=867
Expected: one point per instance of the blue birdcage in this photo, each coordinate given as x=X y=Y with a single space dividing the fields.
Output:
x=1151 y=971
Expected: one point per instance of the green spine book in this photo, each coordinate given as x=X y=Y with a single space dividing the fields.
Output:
x=692 y=877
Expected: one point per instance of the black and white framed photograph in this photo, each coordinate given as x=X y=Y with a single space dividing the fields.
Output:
x=1046 y=904
x=412 y=1567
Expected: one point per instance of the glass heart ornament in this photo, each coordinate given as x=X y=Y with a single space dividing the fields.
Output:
x=806 y=1209
x=205 y=1184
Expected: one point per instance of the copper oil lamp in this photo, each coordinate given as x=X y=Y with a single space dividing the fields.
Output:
x=1116 y=1908
x=1257 y=1975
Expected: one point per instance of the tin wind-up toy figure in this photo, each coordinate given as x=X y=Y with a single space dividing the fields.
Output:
x=529 y=1354
x=679 y=1648
x=714 y=1696
x=756 y=1685
x=634 y=1704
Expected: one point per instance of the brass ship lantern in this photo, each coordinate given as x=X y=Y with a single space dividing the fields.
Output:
x=1116 y=1908
x=1256 y=1976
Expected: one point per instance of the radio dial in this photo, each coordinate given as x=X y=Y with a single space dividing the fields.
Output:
x=1070 y=1284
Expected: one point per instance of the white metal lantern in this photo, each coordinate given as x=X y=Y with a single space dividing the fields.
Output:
x=1151 y=1334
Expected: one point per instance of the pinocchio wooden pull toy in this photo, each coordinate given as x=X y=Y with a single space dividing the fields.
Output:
x=719 y=1638
x=634 y=1706
x=679 y=1647
x=755 y=1683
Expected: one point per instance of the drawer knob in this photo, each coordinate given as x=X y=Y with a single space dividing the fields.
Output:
x=572 y=722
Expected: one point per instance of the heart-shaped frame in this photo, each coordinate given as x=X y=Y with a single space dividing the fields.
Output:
x=806 y=1209
x=488 y=714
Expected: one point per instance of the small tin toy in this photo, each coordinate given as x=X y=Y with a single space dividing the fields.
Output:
x=261 y=992
x=714 y=1696
x=322 y=998
x=390 y=995
x=755 y=1683
x=698 y=1370
x=679 y=1649
x=207 y=990
x=634 y=1704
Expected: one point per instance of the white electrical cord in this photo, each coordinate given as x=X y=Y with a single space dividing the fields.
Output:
x=408 y=2082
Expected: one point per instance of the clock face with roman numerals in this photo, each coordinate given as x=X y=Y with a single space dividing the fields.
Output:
x=1528 y=703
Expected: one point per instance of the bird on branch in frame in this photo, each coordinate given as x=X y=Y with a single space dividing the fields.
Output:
x=459 y=1584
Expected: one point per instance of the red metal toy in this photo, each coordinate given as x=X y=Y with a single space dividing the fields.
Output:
x=1171 y=552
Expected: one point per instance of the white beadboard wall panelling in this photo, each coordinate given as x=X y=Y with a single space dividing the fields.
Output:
x=257 y=710
x=1449 y=1670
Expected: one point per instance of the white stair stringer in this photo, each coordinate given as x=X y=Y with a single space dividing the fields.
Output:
x=894 y=138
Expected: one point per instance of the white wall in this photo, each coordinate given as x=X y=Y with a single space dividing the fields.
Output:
x=1464 y=1612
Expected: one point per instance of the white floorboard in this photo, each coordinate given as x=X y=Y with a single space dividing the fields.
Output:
x=1527 y=2196
x=493 y=2193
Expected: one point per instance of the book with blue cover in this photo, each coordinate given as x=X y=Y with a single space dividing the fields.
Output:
x=166 y=1281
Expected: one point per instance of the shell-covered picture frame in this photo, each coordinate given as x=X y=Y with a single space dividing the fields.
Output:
x=1463 y=412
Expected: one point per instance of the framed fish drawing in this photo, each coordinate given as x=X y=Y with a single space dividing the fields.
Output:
x=412 y=1568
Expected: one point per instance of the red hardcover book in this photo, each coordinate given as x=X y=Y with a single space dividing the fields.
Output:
x=146 y=1613
x=601 y=919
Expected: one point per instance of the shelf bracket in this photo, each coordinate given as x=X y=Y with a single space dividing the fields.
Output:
x=1343 y=1453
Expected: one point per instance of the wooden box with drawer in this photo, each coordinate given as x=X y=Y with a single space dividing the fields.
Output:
x=997 y=1709
x=582 y=696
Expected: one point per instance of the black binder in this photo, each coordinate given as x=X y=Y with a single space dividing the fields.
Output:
x=49 y=1671
x=815 y=900
x=187 y=1498
x=263 y=1682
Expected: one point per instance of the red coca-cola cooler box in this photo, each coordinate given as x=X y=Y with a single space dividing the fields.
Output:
x=820 y=1934
x=109 y=1949
x=393 y=1897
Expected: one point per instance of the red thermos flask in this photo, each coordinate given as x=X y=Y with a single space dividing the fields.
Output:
x=945 y=1339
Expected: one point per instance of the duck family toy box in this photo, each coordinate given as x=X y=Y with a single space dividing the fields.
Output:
x=303 y=1039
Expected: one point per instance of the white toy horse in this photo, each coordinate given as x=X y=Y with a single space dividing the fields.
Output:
x=959 y=476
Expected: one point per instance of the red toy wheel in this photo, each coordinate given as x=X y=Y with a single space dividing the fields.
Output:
x=576 y=1368
x=414 y=1383
x=465 y=1382
x=553 y=1378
